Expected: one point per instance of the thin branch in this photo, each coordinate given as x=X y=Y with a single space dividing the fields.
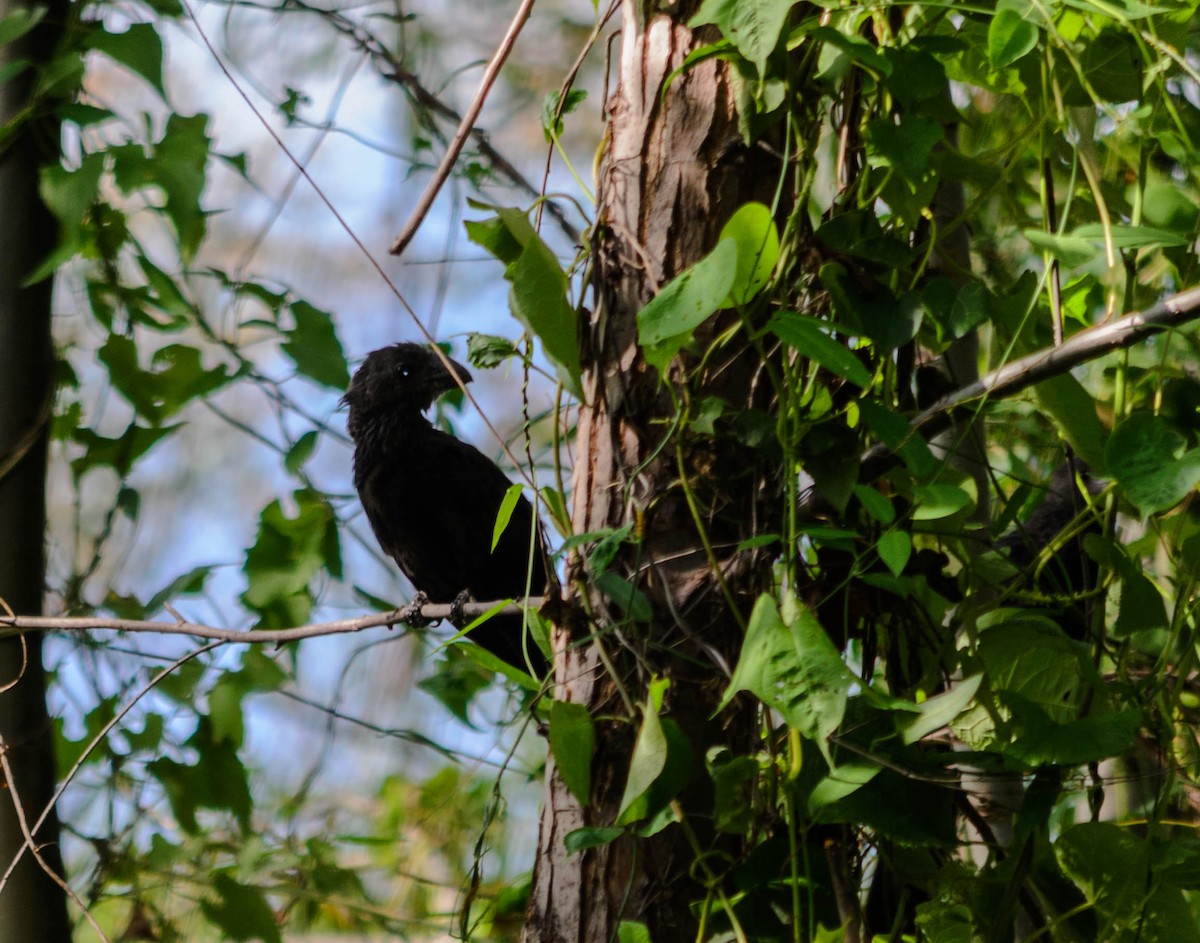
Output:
x=392 y=69
x=464 y=129
x=1045 y=364
x=11 y=625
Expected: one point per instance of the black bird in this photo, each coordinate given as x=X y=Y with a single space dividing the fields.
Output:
x=433 y=501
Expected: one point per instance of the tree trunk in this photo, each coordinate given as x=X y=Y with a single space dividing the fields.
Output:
x=32 y=907
x=674 y=172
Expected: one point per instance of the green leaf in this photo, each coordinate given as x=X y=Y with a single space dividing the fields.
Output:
x=633 y=601
x=242 y=912
x=139 y=49
x=648 y=761
x=507 y=505
x=753 y=26
x=552 y=114
x=1134 y=237
x=19 y=22
x=793 y=668
x=894 y=548
x=572 y=743
x=805 y=335
x=1070 y=250
x=753 y=232
x=300 y=452
x=1074 y=410
x=119 y=453
x=898 y=436
x=939 y=711
x=934 y=502
x=583 y=838
x=1146 y=457
x=879 y=506
x=1109 y=864
x=488 y=351
x=667 y=321
x=734 y=780
x=288 y=554
x=538 y=297
x=629 y=931
x=538 y=300
x=1010 y=37
x=314 y=347
x=907 y=146
x=459 y=678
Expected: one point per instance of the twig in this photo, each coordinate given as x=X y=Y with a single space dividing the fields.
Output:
x=11 y=625
x=35 y=849
x=1049 y=362
x=464 y=130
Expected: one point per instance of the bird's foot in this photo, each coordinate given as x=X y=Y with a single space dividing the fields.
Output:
x=457 y=618
x=411 y=614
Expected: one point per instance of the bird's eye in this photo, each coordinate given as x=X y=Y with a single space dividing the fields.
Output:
x=404 y=372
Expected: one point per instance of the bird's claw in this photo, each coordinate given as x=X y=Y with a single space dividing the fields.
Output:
x=411 y=614
x=457 y=618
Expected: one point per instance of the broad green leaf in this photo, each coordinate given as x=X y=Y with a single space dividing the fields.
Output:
x=805 y=335
x=538 y=297
x=939 y=711
x=1109 y=864
x=572 y=743
x=1146 y=457
x=934 y=502
x=894 y=548
x=753 y=26
x=629 y=931
x=1074 y=411
x=583 y=838
x=649 y=758
x=19 y=22
x=879 y=506
x=907 y=146
x=734 y=780
x=119 y=453
x=552 y=113
x=1070 y=250
x=753 y=232
x=300 y=452
x=538 y=300
x=667 y=321
x=898 y=436
x=793 y=668
x=241 y=912
x=314 y=347
x=1010 y=37
x=1134 y=237
x=139 y=49
x=504 y=514
x=633 y=602
x=1043 y=742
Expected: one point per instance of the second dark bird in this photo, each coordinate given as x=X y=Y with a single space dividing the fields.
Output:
x=432 y=499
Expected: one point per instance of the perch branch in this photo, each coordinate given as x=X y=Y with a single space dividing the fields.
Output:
x=16 y=625
x=1049 y=362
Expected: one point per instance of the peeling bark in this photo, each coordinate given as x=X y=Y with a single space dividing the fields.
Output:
x=675 y=170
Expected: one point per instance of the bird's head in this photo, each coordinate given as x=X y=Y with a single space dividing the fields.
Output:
x=403 y=378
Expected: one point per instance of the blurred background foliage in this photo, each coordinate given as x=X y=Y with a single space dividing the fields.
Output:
x=209 y=309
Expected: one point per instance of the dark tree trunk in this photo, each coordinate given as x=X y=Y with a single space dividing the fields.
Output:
x=674 y=172
x=32 y=907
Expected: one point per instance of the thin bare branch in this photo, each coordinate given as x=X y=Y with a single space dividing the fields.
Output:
x=17 y=625
x=1049 y=362
x=464 y=129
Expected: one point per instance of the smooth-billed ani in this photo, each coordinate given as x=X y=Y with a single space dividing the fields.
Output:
x=433 y=500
